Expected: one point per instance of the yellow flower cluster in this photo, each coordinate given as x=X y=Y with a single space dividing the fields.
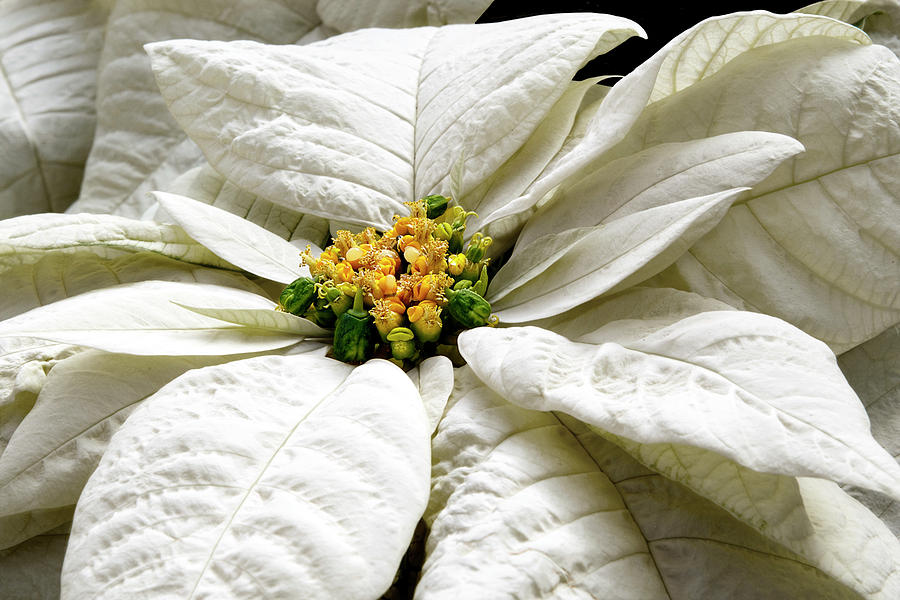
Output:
x=403 y=276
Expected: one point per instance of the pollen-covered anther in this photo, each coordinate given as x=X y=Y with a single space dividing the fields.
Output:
x=431 y=287
x=343 y=241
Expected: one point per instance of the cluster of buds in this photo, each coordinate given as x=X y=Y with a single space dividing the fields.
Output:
x=402 y=295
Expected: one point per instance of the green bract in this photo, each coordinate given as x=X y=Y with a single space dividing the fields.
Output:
x=659 y=414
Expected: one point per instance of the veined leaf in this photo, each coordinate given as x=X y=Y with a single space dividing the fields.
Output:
x=58 y=275
x=206 y=185
x=265 y=319
x=48 y=75
x=758 y=386
x=873 y=369
x=24 y=363
x=537 y=505
x=235 y=239
x=143 y=318
x=696 y=54
x=26 y=239
x=816 y=242
x=769 y=503
x=285 y=128
x=560 y=271
x=314 y=492
x=130 y=112
x=529 y=161
x=661 y=175
x=60 y=442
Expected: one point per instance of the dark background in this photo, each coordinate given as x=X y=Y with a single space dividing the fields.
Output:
x=661 y=24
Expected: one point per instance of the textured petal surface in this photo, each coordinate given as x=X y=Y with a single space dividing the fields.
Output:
x=661 y=175
x=691 y=57
x=234 y=239
x=283 y=127
x=27 y=239
x=24 y=363
x=313 y=492
x=816 y=242
x=511 y=519
x=749 y=387
x=434 y=378
x=49 y=51
x=206 y=185
x=132 y=115
x=59 y=275
x=560 y=271
x=143 y=318
x=59 y=443
x=873 y=369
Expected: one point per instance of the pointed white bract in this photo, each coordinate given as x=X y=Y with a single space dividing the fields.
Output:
x=536 y=505
x=59 y=275
x=694 y=55
x=660 y=175
x=144 y=318
x=560 y=271
x=815 y=243
x=768 y=396
x=206 y=185
x=271 y=119
x=300 y=477
x=27 y=239
x=60 y=442
x=234 y=239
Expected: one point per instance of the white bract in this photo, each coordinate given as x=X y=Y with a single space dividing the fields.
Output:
x=619 y=441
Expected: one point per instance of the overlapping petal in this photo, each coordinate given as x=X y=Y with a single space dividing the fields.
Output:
x=314 y=491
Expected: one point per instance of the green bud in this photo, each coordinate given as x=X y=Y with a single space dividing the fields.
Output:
x=468 y=308
x=341 y=303
x=435 y=205
x=480 y=286
x=298 y=296
x=444 y=231
x=455 y=243
x=353 y=341
x=462 y=284
x=402 y=350
x=477 y=245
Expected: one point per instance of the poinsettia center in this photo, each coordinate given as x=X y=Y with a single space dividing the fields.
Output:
x=404 y=294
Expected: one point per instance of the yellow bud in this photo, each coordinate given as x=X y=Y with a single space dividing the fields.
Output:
x=354 y=255
x=456 y=264
x=411 y=253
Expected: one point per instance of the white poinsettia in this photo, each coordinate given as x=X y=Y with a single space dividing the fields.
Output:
x=627 y=441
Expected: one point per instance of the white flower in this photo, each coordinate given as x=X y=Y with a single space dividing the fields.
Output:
x=628 y=441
